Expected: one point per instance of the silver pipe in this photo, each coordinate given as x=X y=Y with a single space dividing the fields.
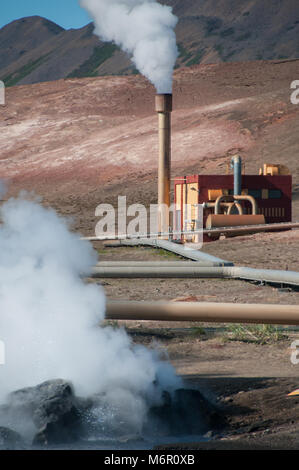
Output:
x=225 y=230
x=245 y=229
x=181 y=250
x=136 y=272
x=266 y=275
x=147 y=264
x=231 y=272
x=128 y=236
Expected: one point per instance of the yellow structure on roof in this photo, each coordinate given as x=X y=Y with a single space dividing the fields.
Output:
x=273 y=170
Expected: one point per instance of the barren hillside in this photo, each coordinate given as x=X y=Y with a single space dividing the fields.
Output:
x=34 y=49
x=80 y=142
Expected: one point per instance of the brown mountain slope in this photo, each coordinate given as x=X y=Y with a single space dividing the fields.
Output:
x=24 y=35
x=222 y=30
x=80 y=142
x=209 y=31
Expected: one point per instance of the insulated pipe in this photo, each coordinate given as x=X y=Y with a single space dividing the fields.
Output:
x=230 y=272
x=181 y=250
x=223 y=220
x=160 y=272
x=164 y=109
x=240 y=197
x=204 y=312
x=250 y=199
x=236 y=164
x=243 y=230
x=219 y=201
x=228 y=205
x=275 y=276
x=156 y=264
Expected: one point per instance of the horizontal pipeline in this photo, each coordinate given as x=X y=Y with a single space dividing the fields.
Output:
x=160 y=272
x=242 y=229
x=250 y=229
x=178 y=249
x=128 y=236
x=204 y=312
x=173 y=272
x=157 y=264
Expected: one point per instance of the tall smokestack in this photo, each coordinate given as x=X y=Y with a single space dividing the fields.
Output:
x=164 y=109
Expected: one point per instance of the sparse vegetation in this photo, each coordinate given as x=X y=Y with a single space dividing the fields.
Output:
x=197 y=58
x=183 y=54
x=198 y=331
x=90 y=66
x=212 y=25
x=16 y=77
x=259 y=334
x=167 y=254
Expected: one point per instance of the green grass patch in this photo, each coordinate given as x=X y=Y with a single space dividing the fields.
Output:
x=99 y=56
x=183 y=53
x=16 y=77
x=259 y=334
x=167 y=254
x=196 y=59
x=198 y=331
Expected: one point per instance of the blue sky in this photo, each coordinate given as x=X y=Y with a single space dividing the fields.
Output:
x=66 y=13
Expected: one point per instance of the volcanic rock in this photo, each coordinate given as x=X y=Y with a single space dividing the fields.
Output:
x=184 y=412
x=54 y=409
x=59 y=417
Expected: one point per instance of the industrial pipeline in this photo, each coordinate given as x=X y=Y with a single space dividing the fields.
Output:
x=204 y=312
x=271 y=276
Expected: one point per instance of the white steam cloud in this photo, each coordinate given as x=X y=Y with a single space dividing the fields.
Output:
x=142 y=28
x=49 y=317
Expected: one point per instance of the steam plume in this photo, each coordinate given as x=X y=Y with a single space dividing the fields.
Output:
x=49 y=317
x=142 y=28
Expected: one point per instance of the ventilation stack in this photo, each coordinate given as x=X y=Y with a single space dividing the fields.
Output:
x=164 y=109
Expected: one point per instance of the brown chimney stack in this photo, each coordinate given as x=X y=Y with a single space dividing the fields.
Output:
x=164 y=109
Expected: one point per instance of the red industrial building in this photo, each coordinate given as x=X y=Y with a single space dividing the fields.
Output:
x=270 y=191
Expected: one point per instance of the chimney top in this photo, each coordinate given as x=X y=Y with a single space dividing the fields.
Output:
x=164 y=103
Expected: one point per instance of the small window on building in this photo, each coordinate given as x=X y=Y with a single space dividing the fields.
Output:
x=275 y=194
